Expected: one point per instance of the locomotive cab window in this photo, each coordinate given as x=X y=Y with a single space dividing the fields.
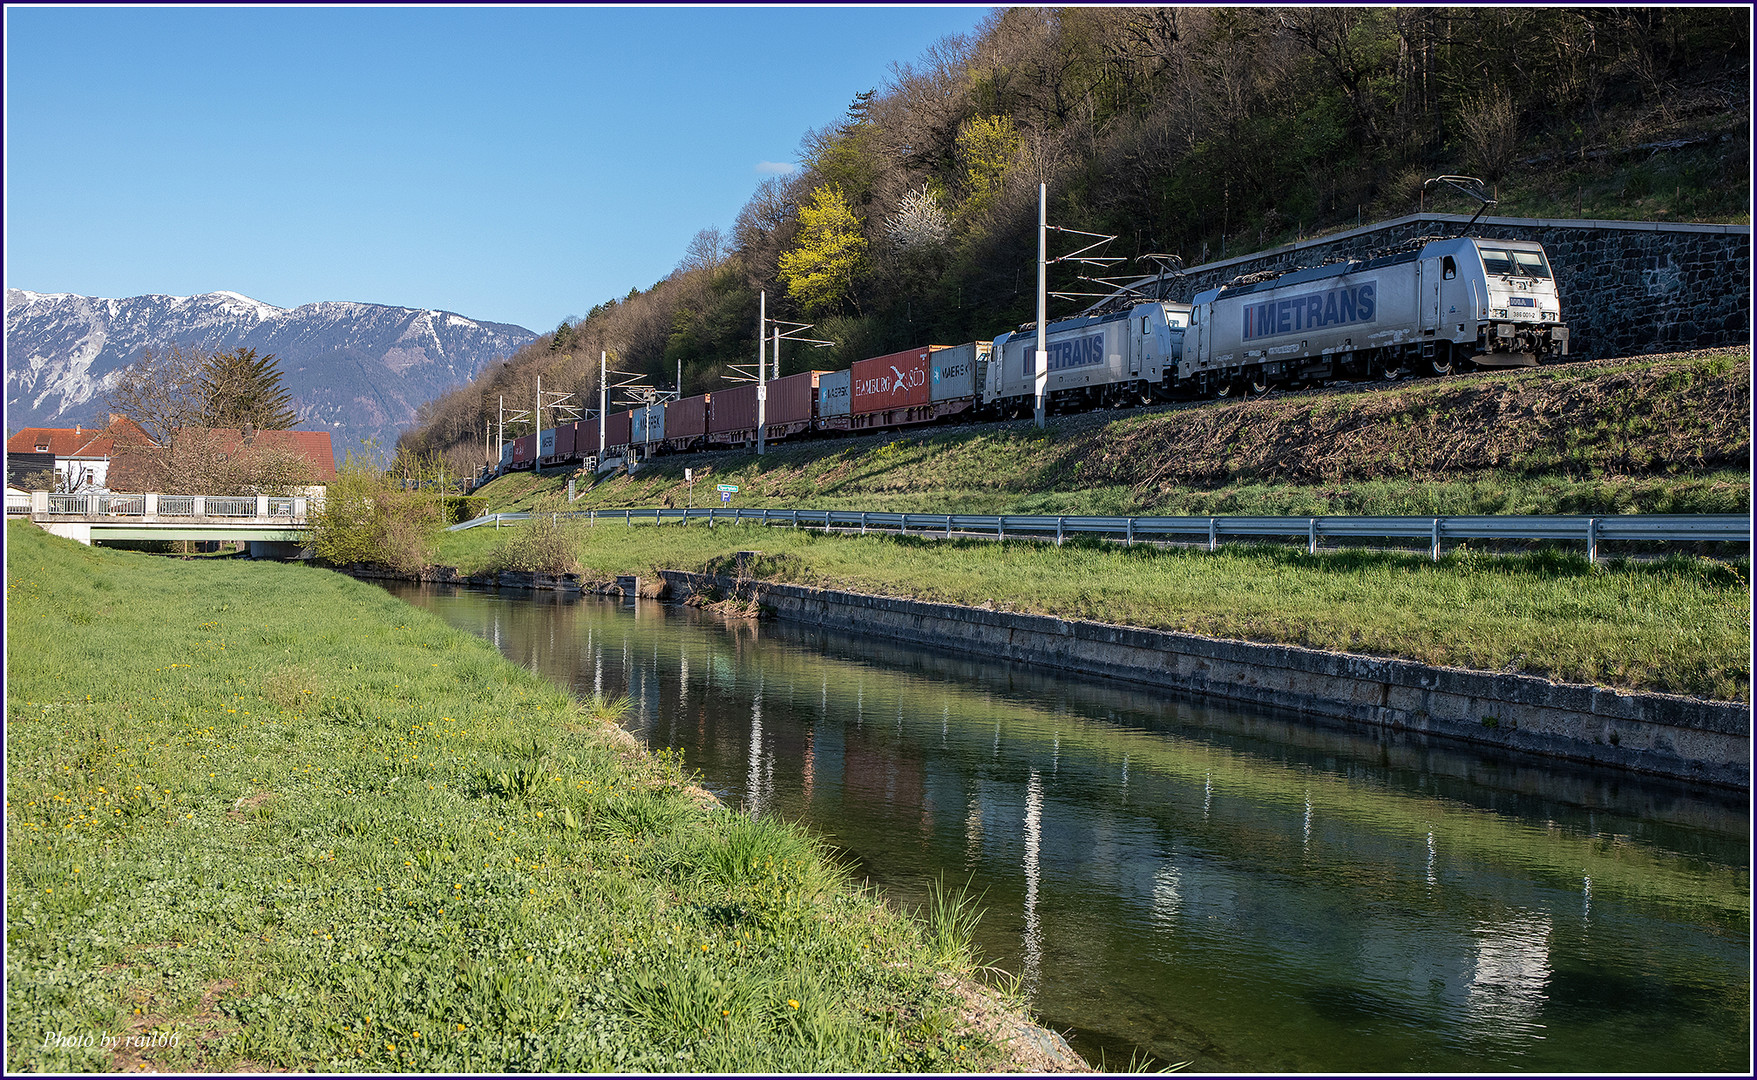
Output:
x=1496 y=261
x=1449 y=268
x=1530 y=264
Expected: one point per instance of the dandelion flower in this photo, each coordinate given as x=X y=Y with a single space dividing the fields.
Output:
x=793 y=1004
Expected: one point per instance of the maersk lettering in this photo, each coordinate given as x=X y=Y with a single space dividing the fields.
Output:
x=1357 y=303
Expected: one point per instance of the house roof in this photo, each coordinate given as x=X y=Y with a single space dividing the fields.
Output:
x=313 y=446
x=79 y=441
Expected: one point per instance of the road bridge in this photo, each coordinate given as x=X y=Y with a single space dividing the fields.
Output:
x=272 y=526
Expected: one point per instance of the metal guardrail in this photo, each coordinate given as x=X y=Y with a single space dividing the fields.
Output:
x=1672 y=528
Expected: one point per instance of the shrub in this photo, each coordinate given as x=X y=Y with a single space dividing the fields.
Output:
x=390 y=517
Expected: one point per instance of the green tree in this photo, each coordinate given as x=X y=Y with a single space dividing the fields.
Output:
x=392 y=517
x=829 y=254
x=986 y=146
x=241 y=389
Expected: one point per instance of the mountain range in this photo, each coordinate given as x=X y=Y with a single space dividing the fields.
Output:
x=357 y=370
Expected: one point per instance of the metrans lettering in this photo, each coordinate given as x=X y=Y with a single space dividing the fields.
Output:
x=1350 y=304
x=1079 y=352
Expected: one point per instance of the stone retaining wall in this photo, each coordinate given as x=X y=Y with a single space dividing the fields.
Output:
x=1627 y=287
x=1659 y=734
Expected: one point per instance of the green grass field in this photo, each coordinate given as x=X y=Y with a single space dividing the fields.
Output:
x=268 y=817
x=1680 y=625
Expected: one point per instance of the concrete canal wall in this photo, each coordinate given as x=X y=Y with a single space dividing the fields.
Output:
x=1660 y=734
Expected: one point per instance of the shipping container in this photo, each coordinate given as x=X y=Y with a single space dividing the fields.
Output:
x=564 y=440
x=647 y=425
x=790 y=402
x=787 y=409
x=686 y=421
x=616 y=430
x=832 y=395
x=955 y=370
x=893 y=382
x=585 y=440
x=522 y=448
x=546 y=444
x=734 y=411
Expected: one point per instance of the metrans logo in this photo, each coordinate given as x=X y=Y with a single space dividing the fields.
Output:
x=1346 y=306
x=1076 y=352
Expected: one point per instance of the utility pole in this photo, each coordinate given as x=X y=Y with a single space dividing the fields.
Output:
x=502 y=422
x=537 y=432
x=603 y=401
x=1042 y=365
x=762 y=328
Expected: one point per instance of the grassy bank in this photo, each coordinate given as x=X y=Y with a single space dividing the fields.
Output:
x=265 y=816
x=1649 y=435
x=1679 y=626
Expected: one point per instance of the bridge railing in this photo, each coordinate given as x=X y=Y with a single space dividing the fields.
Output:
x=1589 y=529
x=153 y=507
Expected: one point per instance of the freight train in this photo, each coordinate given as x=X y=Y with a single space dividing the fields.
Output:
x=1435 y=307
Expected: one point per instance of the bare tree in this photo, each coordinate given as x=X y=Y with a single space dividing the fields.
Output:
x=162 y=392
x=706 y=251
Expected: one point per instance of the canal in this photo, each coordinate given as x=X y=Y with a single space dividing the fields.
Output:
x=1235 y=890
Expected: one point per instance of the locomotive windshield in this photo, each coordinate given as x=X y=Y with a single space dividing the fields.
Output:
x=1529 y=264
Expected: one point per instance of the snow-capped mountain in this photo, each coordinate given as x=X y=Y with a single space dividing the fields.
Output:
x=357 y=370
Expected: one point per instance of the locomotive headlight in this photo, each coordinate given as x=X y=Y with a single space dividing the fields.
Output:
x=1500 y=313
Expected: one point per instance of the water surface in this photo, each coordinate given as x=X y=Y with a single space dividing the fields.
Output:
x=1199 y=883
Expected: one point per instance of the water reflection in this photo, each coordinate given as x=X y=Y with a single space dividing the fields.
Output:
x=1242 y=891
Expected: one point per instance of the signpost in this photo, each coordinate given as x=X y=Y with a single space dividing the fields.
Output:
x=727 y=491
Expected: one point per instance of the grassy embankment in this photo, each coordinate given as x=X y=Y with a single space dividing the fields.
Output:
x=1679 y=625
x=287 y=819
x=1669 y=434
x=1647 y=435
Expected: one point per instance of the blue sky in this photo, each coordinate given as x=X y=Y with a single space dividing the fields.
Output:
x=513 y=165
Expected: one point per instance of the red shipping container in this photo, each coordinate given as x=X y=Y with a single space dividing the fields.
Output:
x=687 y=419
x=734 y=409
x=892 y=382
x=564 y=440
x=791 y=398
x=524 y=448
x=585 y=438
x=616 y=429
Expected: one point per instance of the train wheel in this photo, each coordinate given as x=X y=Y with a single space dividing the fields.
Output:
x=1257 y=383
x=1229 y=388
x=1438 y=364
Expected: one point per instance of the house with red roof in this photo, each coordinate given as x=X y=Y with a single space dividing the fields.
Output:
x=82 y=455
x=120 y=456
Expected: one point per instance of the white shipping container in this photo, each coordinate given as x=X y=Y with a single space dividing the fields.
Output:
x=833 y=398
x=955 y=370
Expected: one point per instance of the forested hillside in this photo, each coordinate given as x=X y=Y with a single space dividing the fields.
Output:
x=1191 y=132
